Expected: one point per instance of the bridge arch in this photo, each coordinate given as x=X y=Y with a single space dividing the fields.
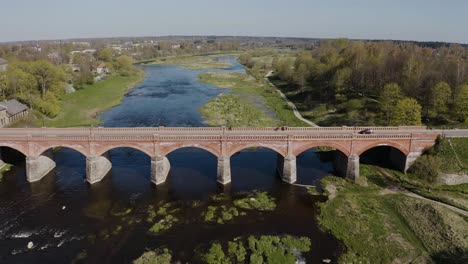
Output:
x=310 y=145
x=76 y=148
x=148 y=151
x=169 y=149
x=372 y=145
x=15 y=147
x=238 y=148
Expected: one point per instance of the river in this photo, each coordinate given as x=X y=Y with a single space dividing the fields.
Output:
x=67 y=219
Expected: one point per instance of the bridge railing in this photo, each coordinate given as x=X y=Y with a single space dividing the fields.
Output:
x=197 y=130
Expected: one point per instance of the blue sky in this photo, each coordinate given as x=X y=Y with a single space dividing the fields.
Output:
x=435 y=20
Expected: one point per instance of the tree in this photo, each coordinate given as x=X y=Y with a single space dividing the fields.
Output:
x=21 y=85
x=341 y=81
x=84 y=76
x=300 y=76
x=46 y=75
x=460 y=106
x=105 y=54
x=124 y=65
x=389 y=98
x=439 y=98
x=406 y=112
x=3 y=84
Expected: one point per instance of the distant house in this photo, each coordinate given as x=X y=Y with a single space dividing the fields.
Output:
x=54 y=57
x=3 y=64
x=102 y=69
x=11 y=111
x=176 y=46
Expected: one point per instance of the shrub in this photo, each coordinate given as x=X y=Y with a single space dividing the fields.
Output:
x=427 y=168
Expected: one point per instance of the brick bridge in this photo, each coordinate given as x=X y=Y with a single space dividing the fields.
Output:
x=407 y=143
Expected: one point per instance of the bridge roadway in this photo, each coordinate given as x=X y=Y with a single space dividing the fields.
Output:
x=407 y=143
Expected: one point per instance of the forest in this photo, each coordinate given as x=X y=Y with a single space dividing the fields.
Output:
x=345 y=82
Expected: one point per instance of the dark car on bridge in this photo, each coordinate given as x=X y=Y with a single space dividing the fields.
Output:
x=366 y=131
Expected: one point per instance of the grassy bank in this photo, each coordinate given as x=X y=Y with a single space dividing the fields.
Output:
x=453 y=153
x=249 y=91
x=82 y=107
x=192 y=62
x=381 y=226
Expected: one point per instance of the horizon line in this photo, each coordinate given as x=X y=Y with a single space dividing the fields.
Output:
x=227 y=36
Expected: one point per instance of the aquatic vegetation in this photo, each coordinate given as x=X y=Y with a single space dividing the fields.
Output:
x=164 y=210
x=123 y=213
x=215 y=255
x=6 y=167
x=237 y=251
x=313 y=191
x=196 y=204
x=220 y=214
x=164 y=224
x=154 y=257
x=104 y=234
x=81 y=256
x=219 y=197
x=260 y=201
x=117 y=230
x=263 y=249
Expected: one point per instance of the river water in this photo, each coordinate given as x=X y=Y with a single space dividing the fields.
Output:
x=68 y=220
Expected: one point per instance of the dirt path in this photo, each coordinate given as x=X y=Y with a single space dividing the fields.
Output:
x=401 y=190
x=291 y=104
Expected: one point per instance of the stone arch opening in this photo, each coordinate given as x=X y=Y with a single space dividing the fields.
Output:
x=319 y=161
x=255 y=146
x=10 y=155
x=193 y=172
x=385 y=156
x=191 y=148
x=68 y=162
x=253 y=168
x=129 y=165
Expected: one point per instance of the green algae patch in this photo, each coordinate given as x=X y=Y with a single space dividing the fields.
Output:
x=154 y=257
x=264 y=249
x=164 y=210
x=123 y=213
x=258 y=201
x=220 y=214
x=164 y=224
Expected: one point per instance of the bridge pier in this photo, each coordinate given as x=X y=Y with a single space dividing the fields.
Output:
x=39 y=166
x=224 y=170
x=345 y=166
x=410 y=159
x=287 y=169
x=160 y=167
x=97 y=168
x=352 y=171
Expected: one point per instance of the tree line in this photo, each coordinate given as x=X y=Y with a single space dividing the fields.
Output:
x=40 y=83
x=403 y=83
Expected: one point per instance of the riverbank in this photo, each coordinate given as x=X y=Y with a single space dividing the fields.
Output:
x=380 y=225
x=192 y=62
x=247 y=90
x=82 y=107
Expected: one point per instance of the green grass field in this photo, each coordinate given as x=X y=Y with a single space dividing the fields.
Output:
x=257 y=93
x=380 y=226
x=82 y=107
x=192 y=62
